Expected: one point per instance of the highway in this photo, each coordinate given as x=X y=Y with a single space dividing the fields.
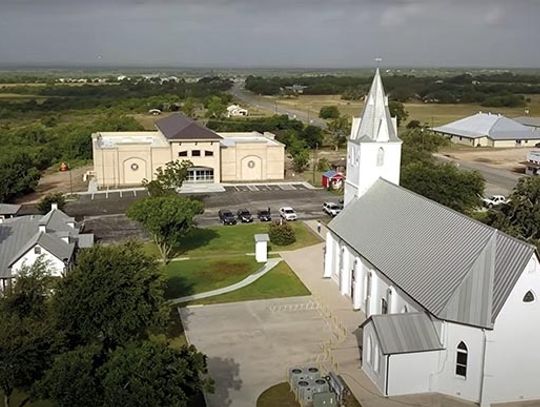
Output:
x=498 y=181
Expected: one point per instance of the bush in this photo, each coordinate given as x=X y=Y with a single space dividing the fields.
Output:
x=414 y=124
x=281 y=234
x=329 y=112
x=301 y=160
x=323 y=164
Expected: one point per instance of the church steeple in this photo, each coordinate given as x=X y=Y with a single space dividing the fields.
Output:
x=376 y=123
x=373 y=149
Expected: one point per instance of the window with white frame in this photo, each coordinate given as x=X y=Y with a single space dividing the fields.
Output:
x=384 y=306
x=462 y=357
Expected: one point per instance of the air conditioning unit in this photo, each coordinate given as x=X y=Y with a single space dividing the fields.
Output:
x=296 y=374
x=313 y=372
x=320 y=385
x=326 y=399
x=305 y=392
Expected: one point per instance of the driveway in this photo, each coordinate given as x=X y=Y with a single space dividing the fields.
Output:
x=250 y=345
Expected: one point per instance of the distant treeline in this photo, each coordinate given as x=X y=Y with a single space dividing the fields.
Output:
x=504 y=89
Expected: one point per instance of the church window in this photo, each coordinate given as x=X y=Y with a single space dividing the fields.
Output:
x=528 y=297
x=195 y=153
x=461 y=360
x=389 y=298
x=37 y=250
x=369 y=351
x=182 y=154
x=380 y=157
x=208 y=153
x=405 y=309
x=384 y=306
x=376 y=361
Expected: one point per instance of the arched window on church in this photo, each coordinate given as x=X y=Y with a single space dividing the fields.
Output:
x=461 y=360
x=380 y=157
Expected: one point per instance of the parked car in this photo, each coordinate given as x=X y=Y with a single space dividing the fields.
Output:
x=494 y=200
x=226 y=217
x=264 y=215
x=244 y=216
x=288 y=213
x=332 y=208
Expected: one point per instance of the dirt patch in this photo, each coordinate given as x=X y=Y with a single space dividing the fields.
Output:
x=506 y=158
x=53 y=181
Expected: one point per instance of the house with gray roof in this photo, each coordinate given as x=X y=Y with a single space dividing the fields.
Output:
x=445 y=303
x=490 y=130
x=53 y=238
x=9 y=210
x=529 y=121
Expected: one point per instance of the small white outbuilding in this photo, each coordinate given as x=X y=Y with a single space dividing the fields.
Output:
x=261 y=247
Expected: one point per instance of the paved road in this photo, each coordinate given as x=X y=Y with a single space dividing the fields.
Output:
x=263 y=103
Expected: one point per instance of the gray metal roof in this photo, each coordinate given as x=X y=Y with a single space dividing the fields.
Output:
x=494 y=126
x=376 y=122
x=9 y=209
x=409 y=332
x=180 y=127
x=18 y=235
x=530 y=121
x=458 y=269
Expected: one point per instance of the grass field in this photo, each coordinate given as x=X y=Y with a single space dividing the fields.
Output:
x=219 y=241
x=433 y=114
x=196 y=276
x=279 y=282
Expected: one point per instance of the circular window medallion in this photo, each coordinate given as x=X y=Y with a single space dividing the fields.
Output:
x=134 y=166
x=251 y=164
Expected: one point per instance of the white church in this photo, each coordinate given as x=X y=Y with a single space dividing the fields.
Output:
x=452 y=305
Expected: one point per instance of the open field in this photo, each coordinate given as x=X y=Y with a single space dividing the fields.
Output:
x=431 y=113
x=511 y=159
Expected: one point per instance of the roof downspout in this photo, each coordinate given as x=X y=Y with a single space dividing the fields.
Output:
x=387 y=375
x=484 y=400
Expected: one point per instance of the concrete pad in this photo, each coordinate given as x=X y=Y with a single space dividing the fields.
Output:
x=250 y=345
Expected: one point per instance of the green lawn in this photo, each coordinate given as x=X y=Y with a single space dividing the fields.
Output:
x=219 y=241
x=277 y=283
x=278 y=395
x=188 y=277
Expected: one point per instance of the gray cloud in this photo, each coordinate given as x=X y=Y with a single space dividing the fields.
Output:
x=270 y=32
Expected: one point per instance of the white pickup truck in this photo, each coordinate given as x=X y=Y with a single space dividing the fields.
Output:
x=494 y=200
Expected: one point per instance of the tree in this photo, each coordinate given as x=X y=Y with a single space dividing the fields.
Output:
x=17 y=175
x=312 y=136
x=28 y=340
x=72 y=380
x=329 y=112
x=414 y=124
x=166 y=219
x=444 y=183
x=189 y=106
x=44 y=205
x=398 y=111
x=153 y=374
x=168 y=180
x=215 y=108
x=281 y=234
x=338 y=129
x=111 y=296
x=301 y=160
x=520 y=217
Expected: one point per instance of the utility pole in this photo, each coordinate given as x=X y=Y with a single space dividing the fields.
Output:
x=315 y=154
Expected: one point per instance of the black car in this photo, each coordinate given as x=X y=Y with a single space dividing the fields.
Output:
x=226 y=217
x=244 y=216
x=264 y=215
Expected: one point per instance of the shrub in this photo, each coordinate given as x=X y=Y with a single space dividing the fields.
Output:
x=329 y=112
x=414 y=124
x=44 y=205
x=281 y=234
x=323 y=164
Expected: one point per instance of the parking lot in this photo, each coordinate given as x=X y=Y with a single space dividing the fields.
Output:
x=104 y=215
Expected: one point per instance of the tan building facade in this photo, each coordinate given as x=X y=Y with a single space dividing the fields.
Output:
x=126 y=158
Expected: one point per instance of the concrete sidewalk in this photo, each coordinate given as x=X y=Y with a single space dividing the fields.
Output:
x=270 y=264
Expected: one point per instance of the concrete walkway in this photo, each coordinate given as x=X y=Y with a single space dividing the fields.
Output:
x=270 y=264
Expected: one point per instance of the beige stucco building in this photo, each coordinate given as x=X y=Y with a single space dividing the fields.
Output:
x=126 y=158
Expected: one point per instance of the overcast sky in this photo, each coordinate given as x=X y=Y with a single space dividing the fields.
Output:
x=271 y=33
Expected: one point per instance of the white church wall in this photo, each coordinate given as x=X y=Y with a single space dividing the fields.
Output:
x=513 y=357
x=54 y=264
x=371 y=167
x=373 y=361
x=329 y=255
x=409 y=373
x=444 y=379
